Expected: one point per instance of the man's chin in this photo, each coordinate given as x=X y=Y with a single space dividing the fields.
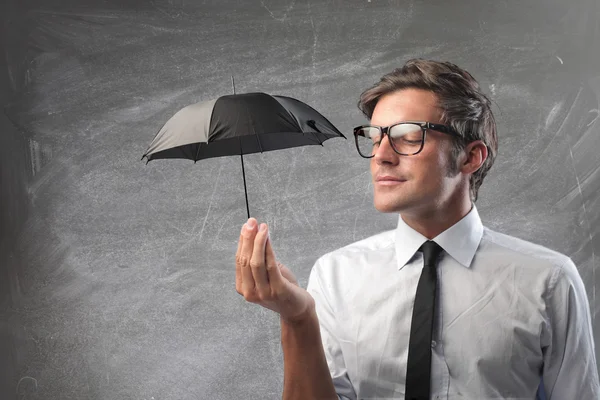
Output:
x=388 y=207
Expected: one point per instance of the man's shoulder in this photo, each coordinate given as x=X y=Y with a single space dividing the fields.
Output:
x=344 y=267
x=522 y=248
x=374 y=243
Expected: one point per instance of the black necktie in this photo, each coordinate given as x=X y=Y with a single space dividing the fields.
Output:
x=418 y=367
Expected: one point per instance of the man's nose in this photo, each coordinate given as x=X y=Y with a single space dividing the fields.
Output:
x=385 y=152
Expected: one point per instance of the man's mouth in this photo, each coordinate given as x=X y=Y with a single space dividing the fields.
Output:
x=389 y=183
x=387 y=180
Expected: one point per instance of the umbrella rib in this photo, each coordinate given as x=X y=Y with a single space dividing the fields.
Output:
x=252 y=126
x=258 y=140
x=318 y=140
x=313 y=125
x=197 y=152
x=310 y=123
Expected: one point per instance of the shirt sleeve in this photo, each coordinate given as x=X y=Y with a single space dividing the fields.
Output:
x=328 y=327
x=570 y=370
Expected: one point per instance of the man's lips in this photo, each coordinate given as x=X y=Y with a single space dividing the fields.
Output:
x=387 y=180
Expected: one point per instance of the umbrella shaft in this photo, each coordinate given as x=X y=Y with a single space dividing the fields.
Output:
x=244 y=175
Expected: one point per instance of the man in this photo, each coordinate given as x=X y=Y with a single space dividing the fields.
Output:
x=509 y=317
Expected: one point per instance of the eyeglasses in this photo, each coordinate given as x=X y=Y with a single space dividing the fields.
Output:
x=407 y=138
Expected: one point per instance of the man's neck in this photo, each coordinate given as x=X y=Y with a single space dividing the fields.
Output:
x=431 y=223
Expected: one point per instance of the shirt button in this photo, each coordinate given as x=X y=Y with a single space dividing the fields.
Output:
x=433 y=343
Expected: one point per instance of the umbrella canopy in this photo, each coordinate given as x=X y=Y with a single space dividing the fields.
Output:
x=240 y=124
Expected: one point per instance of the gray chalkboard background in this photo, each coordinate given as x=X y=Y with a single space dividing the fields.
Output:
x=117 y=277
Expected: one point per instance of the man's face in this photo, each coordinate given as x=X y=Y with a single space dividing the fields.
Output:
x=426 y=182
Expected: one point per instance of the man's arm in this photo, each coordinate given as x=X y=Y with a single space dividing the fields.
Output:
x=264 y=281
x=570 y=370
x=306 y=375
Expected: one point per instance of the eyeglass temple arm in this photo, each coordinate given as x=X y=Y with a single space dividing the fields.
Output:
x=442 y=128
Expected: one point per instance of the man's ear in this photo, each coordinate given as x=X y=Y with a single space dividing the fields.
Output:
x=475 y=154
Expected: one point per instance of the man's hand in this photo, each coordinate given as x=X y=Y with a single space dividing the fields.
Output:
x=264 y=281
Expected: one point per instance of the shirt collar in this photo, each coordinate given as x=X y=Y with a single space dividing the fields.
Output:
x=460 y=241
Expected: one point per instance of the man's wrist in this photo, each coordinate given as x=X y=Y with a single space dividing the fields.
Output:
x=301 y=320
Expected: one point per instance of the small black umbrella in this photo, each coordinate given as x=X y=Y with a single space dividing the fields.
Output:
x=240 y=124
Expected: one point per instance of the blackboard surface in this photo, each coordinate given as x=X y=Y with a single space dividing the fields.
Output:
x=117 y=277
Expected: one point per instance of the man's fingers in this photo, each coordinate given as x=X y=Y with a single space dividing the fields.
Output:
x=245 y=256
x=238 y=264
x=275 y=278
x=257 y=263
x=239 y=248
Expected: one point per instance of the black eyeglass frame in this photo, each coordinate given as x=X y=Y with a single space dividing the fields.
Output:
x=423 y=124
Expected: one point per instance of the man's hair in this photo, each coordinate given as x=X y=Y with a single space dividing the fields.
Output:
x=464 y=106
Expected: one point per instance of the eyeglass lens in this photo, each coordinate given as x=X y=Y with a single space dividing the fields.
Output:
x=405 y=138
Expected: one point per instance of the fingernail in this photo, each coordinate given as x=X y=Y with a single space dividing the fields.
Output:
x=263 y=227
x=251 y=224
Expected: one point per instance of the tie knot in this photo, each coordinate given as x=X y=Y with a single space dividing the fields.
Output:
x=431 y=250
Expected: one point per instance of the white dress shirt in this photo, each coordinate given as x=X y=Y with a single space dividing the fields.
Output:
x=510 y=315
